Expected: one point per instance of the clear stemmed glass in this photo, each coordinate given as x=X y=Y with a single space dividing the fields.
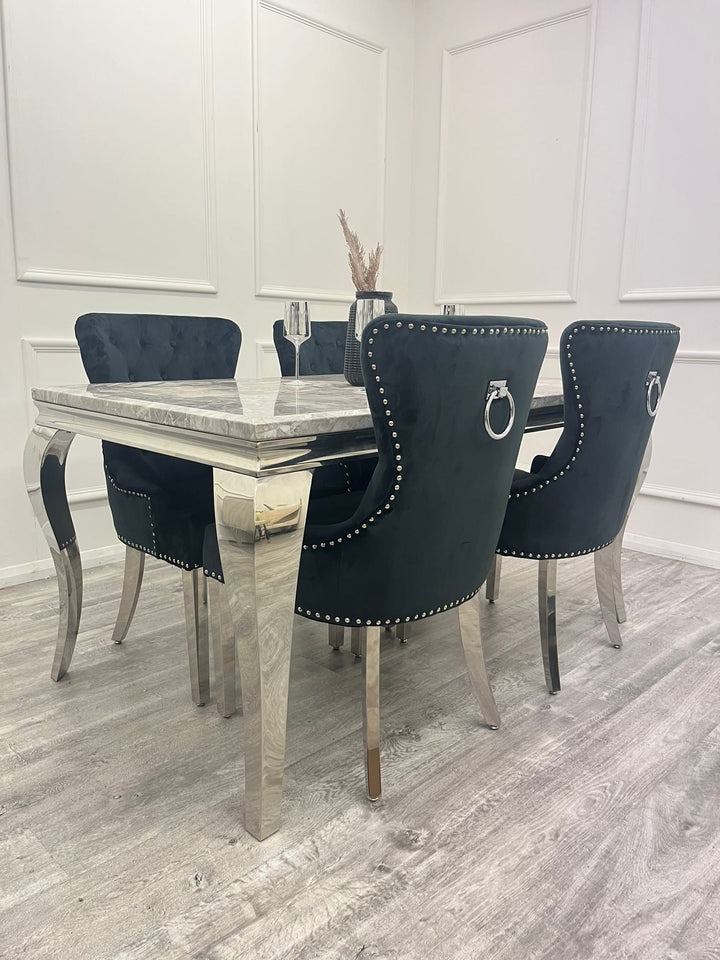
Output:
x=453 y=309
x=296 y=329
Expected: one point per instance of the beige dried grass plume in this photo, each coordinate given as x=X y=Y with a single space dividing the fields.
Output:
x=364 y=275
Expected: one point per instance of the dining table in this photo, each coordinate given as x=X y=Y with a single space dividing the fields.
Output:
x=263 y=439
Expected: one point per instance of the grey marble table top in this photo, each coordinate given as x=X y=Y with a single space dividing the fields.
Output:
x=252 y=410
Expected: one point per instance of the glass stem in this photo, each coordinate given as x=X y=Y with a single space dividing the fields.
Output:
x=297 y=362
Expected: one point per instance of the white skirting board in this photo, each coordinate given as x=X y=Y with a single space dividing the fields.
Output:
x=675 y=551
x=42 y=569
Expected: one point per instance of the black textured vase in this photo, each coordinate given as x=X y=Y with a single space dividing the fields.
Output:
x=351 y=367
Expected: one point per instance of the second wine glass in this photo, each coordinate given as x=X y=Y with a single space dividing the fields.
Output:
x=296 y=329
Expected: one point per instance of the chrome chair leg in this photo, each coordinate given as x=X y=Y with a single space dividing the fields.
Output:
x=469 y=618
x=492 y=584
x=132 y=581
x=356 y=635
x=196 y=626
x=547 y=588
x=222 y=629
x=606 y=569
x=403 y=632
x=336 y=636
x=370 y=646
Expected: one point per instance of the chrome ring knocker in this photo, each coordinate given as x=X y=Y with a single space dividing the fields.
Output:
x=653 y=380
x=497 y=389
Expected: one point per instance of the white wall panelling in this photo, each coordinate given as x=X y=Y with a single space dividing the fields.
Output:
x=315 y=152
x=514 y=122
x=672 y=232
x=267 y=361
x=109 y=110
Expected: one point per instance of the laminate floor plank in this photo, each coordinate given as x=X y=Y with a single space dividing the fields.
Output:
x=587 y=826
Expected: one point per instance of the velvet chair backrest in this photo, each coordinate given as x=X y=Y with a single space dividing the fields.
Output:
x=121 y=347
x=423 y=536
x=323 y=353
x=578 y=498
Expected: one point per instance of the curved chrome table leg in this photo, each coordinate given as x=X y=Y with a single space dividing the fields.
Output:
x=44 y=469
x=608 y=565
x=260 y=523
x=547 y=588
x=469 y=618
x=370 y=647
x=492 y=584
x=196 y=628
x=336 y=636
x=132 y=581
x=223 y=641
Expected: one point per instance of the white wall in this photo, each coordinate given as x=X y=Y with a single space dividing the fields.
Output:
x=565 y=165
x=187 y=157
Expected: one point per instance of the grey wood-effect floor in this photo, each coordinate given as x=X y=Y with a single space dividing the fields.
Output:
x=588 y=826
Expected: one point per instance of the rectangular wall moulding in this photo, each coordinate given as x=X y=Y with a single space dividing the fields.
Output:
x=320 y=116
x=111 y=146
x=672 y=228
x=515 y=116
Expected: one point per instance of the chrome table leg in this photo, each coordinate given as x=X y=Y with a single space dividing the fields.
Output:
x=196 y=628
x=336 y=636
x=547 y=588
x=223 y=641
x=132 y=581
x=469 y=618
x=492 y=584
x=370 y=646
x=260 y=523
x=44 y=469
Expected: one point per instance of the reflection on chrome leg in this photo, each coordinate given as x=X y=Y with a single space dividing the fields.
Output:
x=370 y=645
x=469 y=619
x=260 y=523
x=492 y=584
x=44 y=471
x=547 y=588
x=223 y=641
x=196 y=628
x=604 y=581
x=132 y=581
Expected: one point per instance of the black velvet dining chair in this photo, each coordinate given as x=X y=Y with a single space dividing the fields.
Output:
x=449 y=402
x=161 y=505
x=576 y=500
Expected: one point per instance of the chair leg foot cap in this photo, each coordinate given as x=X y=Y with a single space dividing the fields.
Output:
x=617 y=646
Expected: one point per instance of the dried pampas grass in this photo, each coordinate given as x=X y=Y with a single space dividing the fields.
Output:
x=364 y=275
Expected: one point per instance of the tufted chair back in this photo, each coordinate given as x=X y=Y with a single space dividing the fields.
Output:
x=575 y=501
x=422 y=536
x=121 y=347
x=323 y=353
x=160 y=504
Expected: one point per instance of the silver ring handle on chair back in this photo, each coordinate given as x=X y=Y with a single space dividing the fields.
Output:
x=653 y=380
x=497 y=390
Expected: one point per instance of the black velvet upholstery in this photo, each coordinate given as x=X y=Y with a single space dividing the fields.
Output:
x=411 y=547
x=576 y=499
x=322 y=354
x=160 y=505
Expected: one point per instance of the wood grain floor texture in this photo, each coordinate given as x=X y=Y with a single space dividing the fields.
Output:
x=587 y=827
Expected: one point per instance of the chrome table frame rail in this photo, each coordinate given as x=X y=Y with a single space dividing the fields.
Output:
x=261 y=491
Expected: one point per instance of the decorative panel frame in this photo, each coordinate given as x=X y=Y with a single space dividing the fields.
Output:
x=205 y=284
x=630 y=291
x=280 y=290
x=569 y=294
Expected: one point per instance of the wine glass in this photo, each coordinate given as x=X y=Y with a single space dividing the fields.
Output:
x=296 y=329
x=453 y=309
